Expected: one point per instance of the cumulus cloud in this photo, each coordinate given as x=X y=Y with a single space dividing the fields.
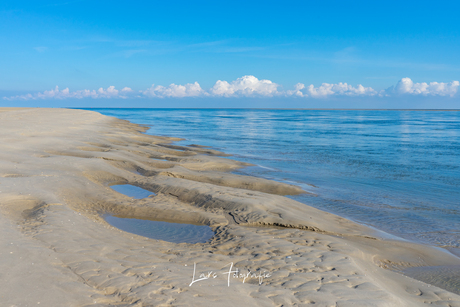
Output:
x=250 y=86
x=110 y=92
x=173 y=90
x=404 y=86
x=328 y=89
x=245 y=86
x=407 y=86
x=297 y=90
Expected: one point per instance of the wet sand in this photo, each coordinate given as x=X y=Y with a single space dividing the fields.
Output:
x=56 y=249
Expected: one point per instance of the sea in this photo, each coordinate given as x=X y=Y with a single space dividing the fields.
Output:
x=394 y=170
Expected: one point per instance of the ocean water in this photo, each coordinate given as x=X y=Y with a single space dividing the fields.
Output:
x=398 y=171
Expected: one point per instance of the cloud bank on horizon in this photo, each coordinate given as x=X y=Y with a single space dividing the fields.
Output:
x=250 y=86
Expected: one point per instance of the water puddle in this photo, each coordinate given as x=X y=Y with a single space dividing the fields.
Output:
x=160 y=159
x=171 y=232
x=445 y=277
x=132 y=191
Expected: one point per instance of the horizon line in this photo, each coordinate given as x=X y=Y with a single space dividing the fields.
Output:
x=293 y=109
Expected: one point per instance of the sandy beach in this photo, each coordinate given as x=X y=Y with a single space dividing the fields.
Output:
x=56 y=249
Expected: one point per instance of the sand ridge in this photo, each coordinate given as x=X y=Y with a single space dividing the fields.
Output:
x=56 y=168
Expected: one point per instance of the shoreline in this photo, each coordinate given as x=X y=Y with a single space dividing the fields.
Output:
x=57 y=165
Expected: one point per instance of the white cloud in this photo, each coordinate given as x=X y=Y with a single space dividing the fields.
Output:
x=297 y=90
x=328 y=89
x=250 y=86
x=245 y=86
x=110 y=92
x=173 y=90
x=407 y=86
x=126 y=90
x=340 y=88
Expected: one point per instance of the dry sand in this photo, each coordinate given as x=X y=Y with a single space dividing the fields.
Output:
x=56 y=166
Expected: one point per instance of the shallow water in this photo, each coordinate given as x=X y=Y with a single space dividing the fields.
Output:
x=132 y=191
x=171 y=232
x=398 y=171
x=445 y=277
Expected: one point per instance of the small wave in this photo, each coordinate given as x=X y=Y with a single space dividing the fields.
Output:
x=269 y=168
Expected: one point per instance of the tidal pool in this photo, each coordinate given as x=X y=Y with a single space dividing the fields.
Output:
x=132 y=191
x=171 y=232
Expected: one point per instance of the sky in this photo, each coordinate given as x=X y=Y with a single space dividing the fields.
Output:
x=291 y=54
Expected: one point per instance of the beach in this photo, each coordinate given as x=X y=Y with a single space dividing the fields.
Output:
x=56 y=169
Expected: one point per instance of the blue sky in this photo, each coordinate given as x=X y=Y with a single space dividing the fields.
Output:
x=265 y=53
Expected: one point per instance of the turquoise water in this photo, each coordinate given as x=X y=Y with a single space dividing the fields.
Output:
x=398 y=171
